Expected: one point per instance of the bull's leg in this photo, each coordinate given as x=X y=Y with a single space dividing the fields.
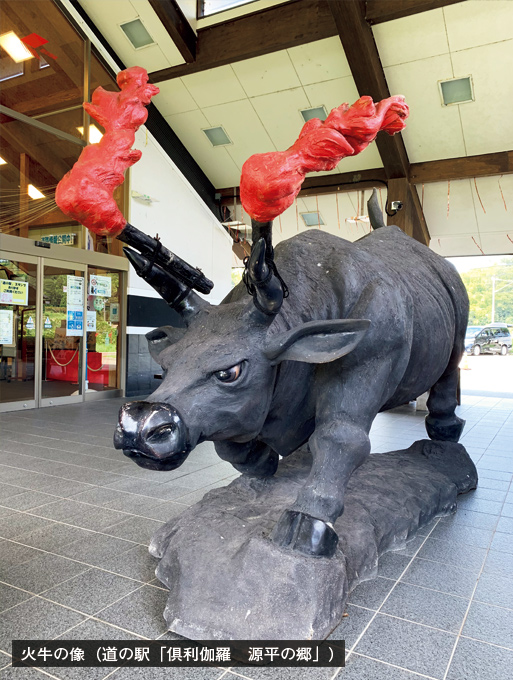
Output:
x=252 y=458
x=442 y=423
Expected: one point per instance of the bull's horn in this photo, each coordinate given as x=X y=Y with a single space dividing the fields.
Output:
x=375 y=213
x=177 y=295
x=263 y=281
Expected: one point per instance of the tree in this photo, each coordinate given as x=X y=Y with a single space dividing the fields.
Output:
x=479 y=287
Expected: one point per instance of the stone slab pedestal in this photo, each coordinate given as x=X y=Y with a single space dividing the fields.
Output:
x=227 y=580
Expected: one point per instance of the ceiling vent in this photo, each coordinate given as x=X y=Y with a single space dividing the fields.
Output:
x=456 y=91
x=312 y=219
x=316 y=112
x=217 y=136
x=137 y=34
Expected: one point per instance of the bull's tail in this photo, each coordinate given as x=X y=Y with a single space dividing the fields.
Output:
x=375 y=212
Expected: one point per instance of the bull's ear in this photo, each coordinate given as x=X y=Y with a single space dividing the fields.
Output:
x=161 y=338
x=317 y=342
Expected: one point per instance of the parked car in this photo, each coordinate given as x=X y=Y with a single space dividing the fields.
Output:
x=470 y=334
x=492 y=339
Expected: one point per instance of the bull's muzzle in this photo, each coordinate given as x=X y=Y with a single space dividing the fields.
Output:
x=153 y=435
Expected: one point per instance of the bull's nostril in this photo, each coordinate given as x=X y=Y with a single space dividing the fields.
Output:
x=161 y=434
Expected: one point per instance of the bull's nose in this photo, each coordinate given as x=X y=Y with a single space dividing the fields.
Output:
x=152 y=430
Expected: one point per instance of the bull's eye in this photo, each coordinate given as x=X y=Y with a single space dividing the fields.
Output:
x=229 y=375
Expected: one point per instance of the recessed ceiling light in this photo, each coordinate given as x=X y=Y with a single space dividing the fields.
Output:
x=312 y=219
x=94 y=134
x=137 y=34
x=34 y=193
x=2 y=162
x=456 y=91
x=217 y=136
x=317 y=112
x=14 y=47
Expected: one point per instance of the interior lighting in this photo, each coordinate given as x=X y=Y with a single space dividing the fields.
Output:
x=312 y=219
x=456 y=91
x=316 y=112
x=217 y=136
x=137 y=34
x=34 y=193
x=2 y=162
x=94 y=134
x=14 y=47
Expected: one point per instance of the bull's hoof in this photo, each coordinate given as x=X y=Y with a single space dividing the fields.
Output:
x=444 y=429
x=305 y=534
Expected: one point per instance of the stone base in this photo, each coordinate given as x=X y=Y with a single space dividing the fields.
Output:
x=228 y=581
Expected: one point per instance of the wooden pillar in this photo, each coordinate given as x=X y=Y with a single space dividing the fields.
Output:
x=410 y=218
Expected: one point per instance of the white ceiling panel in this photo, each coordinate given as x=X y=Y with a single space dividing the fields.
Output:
x=216 y=163
x=496 y=213
x=462 y=216
x=174 y=97
x=496 y=243
x=476 y=22
x=243 y=127
x=411 y=38
x=215 y=86
x=266 y=74
x=432 y=131
x=366 y=160
x=158 y=32
x=332 y=93
x=454 y=246
x=319 y=61
x=280 y=115
x=488 y=121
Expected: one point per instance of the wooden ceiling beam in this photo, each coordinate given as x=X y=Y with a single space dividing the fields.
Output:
x=379 y=11
x=252 y=35
x=467 y=167
x=179 y=29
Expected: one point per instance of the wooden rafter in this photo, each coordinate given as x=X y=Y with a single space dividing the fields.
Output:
x=379 y=11
x=175 y=23
x=485 y=165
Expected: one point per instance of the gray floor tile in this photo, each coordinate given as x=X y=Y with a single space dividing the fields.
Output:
x=10 y=673
x=12 y=554
x=407 y=645
x=479 y=505
x=98 y=519
x=42 y=572
x=53 y=537
x=443 y=577
x=176 y=674
x=463 y=534
x=480 y=520
x=136 y=563
x=495 y=589
x=489 y=494
x=426 y=606
x=35 y=619
x=28 y=500
x=503 y=542
x=352 y=625
x=9 y=597
x=5 y=660
x=91 y=591
x=493 y=484
x=61 y=510
x=499 y=563
x=507 y=510
x=140 y=612
x=505 y=525
x=20 y=523
x=371 y=594
x=138 y=529
x=490 y=624
x=96 y=549
x=453 y=553
x=4 y=511
x=362 y=668
x=281 y=673
x=477 y=661
x=392 y=564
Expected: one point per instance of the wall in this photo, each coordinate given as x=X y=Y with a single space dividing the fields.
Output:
x=188 y=228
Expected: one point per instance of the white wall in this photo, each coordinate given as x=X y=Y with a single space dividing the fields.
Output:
x=184 y=223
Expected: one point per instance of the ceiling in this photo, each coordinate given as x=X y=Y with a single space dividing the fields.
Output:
x=258 y=102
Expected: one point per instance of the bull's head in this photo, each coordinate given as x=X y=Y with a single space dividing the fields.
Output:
x=220 y=369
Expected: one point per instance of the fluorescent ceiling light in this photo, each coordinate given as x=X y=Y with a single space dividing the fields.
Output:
x=2 y=162
x=137 y=34
x=217 y=136
x=94 y=134
x=14 y=47
x=312 y=219
x=34 y=193
x=456 y=91
x=317 y=112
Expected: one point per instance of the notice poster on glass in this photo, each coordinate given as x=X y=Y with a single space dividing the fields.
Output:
x=75 y=290
x=6 y=327
x=74 y=320
x=100 y=285
x=91 y=321
x=14 y=292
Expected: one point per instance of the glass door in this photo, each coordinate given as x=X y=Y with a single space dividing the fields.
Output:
x=18 y=323
x=62 y=329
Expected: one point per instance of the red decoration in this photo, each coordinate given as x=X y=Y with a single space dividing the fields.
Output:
x=271 y=181
x=85 y=193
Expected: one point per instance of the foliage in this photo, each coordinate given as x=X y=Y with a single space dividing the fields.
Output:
x=479 y=287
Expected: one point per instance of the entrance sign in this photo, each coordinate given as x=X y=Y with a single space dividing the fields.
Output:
x=100 y=285
x=14 y=292
x=6 y=327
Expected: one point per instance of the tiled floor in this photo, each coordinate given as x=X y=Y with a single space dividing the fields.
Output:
x=76 y=518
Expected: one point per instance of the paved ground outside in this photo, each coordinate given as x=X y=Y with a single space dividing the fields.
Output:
x=76 y=518
x=487 y=375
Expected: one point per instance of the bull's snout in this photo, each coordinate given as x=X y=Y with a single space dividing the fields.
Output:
x=153 y=435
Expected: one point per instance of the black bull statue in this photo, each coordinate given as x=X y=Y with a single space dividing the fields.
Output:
x=367 y=326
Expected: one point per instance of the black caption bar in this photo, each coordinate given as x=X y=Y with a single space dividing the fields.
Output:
x=162 y=653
